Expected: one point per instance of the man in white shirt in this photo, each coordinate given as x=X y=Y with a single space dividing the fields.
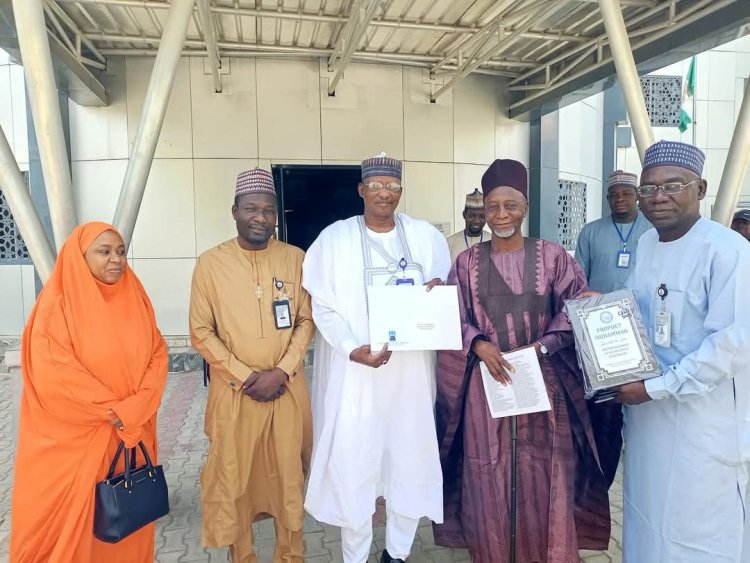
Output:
x=373 y=411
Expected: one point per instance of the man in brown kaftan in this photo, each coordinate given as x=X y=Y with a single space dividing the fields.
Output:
x=251 y=319
x=511 y=294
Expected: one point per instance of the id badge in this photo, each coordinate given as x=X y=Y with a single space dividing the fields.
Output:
x=663 y=329
x=404 y=281
x=282 y=315
x=623 y=259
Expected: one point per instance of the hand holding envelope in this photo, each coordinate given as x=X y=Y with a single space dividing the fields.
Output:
x=412 y=318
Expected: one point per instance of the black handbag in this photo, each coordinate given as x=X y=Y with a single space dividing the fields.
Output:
x=128 y=501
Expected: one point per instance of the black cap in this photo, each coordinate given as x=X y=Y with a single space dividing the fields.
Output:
x=742 y=215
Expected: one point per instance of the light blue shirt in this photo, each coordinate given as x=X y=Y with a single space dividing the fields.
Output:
x=598 y=247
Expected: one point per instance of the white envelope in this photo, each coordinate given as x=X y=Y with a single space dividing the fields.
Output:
x=409 y=317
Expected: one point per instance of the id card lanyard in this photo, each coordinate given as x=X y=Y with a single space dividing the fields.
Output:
x=623 y=256
x=282 y=314
x=662 y=320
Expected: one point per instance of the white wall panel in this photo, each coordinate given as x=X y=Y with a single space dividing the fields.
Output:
x=720 y=124
x=366 y=114
x=11 y=310
x=225 y=125
x=102 y=133
x=28 y=287
x=429 y=191
x=428 y=127
x=166 y=222
x=96 y=188
x=176 y=139
x=289 y=109
x=167 y=283
x=20 y=130
x=721 y=75
x=715 y=160
x=474 y=100
x=6 y=103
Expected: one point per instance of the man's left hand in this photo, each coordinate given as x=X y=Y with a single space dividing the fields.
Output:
x=633 y=393
x=433 y=282
x=265 y=386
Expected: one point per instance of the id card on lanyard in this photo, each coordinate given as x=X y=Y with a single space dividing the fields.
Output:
x=282 y=313
x=403 y=280
x=624 y=255
x=662 y=320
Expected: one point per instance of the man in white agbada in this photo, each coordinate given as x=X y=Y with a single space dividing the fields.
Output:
x=373 y=412
x=687 y=432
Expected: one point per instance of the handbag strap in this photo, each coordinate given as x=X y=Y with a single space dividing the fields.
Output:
x=149 y=464
x=130 y=455
x=113 y=465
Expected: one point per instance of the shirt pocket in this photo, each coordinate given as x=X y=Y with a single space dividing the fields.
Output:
x=675 y=304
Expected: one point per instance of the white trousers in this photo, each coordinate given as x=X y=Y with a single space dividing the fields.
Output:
x=399 y=535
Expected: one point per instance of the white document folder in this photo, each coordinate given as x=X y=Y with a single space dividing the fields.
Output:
x=409 y=317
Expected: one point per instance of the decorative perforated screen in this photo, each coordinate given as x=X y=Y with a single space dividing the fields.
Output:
x=663 y=96
x=12 y=247
x=571 y=212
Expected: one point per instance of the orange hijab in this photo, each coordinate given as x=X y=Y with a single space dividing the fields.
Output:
x=88 y=347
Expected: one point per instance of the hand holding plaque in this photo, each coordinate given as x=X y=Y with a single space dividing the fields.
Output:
x=611 y=342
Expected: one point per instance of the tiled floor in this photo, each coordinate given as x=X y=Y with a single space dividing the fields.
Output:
x=182 y=448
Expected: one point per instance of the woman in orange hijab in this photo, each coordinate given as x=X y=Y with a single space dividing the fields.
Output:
x=94 y=369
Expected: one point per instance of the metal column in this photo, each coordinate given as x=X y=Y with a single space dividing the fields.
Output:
x=154 y=108
x=627 y=74
x=40 y=81
x=24 y=212
x=736 y=165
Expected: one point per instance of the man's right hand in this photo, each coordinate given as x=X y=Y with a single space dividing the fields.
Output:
x=497 y=365
x=363 y=355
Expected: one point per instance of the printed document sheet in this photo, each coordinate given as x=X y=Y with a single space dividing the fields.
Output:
x=525 y=395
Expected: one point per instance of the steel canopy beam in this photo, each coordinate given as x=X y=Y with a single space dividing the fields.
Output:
x=152 y=117
x=71 y=75
x=493 y=49
x=24 y=213
x=351 y=36
x=709 y=24
x=209 y=36
x=627 y=74
x=324 y=18
x=735 y=168
x=45 y=110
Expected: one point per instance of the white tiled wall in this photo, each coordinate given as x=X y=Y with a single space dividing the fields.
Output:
x=580 y=156
x=720 y=81
x=271 y=111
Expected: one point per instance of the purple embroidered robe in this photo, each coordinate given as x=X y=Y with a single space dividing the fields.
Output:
x=562 y=502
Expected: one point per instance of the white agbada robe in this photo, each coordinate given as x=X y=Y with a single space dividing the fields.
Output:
x=687 y=452
x=373 y=429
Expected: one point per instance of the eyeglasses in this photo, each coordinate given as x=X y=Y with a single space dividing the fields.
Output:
x=670 y=188
x=377 y=186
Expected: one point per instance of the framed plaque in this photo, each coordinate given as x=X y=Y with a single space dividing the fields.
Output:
x=611 y=341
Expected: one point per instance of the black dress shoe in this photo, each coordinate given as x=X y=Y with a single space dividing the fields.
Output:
x=386 y=558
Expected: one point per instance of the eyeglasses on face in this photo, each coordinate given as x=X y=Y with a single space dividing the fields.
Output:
x=670 y=188
x=392 y=187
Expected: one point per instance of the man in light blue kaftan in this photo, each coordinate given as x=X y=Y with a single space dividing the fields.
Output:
x=687 y=432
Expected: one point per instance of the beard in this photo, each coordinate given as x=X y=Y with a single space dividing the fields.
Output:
x=504 y=233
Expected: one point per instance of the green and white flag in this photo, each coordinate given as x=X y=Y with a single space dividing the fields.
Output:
x=687 y=92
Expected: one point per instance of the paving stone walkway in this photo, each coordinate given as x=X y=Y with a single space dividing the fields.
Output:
x=182 y=447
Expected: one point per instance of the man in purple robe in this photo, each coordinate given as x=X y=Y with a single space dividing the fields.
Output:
x=511 y=294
